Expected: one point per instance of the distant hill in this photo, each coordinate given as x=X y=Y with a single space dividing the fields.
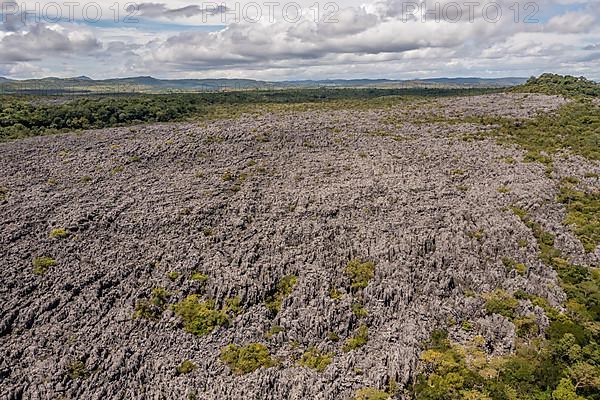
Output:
x=148 y=84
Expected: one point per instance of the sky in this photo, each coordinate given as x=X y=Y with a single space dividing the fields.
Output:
x=295 y=40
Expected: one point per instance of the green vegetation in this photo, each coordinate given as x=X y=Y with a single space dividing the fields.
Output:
x=246 y=359
x=59 y=233
x=467 y=326
x=563 y=364
x=521 y=268
x=478 y=235
x=504 y=189
x=560 y=85
x=317 y=360
x=500 y=302
x=357 y=341
x=359 y=310
x=336 y=294
x=511 y=264
x=275 y=329
x=173 y=275
x=372 y=394
x=583 y=212
x=537 y=370
x=41 y=265
x=227 y=176
x=76 y=370
x=3 y=193
x=282 y=290
x=153 y=308
x=581 y=284
x=233 y=306
x=574 y=127
x=186 y=367
x=360 y=273
x=23 y=116
x=199 y=277
x=508 y=263
x=200 y=317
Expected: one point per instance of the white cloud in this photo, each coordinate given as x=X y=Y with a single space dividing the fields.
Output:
x=572 y=22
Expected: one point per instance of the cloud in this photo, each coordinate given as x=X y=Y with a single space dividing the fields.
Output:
x=160 y=10
x=571 y=22
x=367 y=40
x=40 y=41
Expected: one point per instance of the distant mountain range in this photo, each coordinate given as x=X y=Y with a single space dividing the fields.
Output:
x=148 y=84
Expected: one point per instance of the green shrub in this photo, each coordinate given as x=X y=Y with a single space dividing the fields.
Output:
x=500 y=302
x=527 y=327
x=59 y=233
x=372 y=394
x=282 y=290
x=477 y=235
x=227 y=176
x=246 y=359
x=41 y=265
x=173 y=275
x=336 y=294
x=200 y=318
x=76 y=370
x=199 y=277
x=186 y=367
x=275 y=329
x=508 y=263
x=357 y=341
x=153 y=308
x=359 y=310
x=233 y=305
x=521 y=268
x=3 y=193
x=317 y=360
x=360 y=273
x=117 y=170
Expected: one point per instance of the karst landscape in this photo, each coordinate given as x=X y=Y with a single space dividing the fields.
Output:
x=370 y=248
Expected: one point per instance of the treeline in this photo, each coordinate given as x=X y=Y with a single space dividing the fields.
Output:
x=22 y=116
x=563 y=85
